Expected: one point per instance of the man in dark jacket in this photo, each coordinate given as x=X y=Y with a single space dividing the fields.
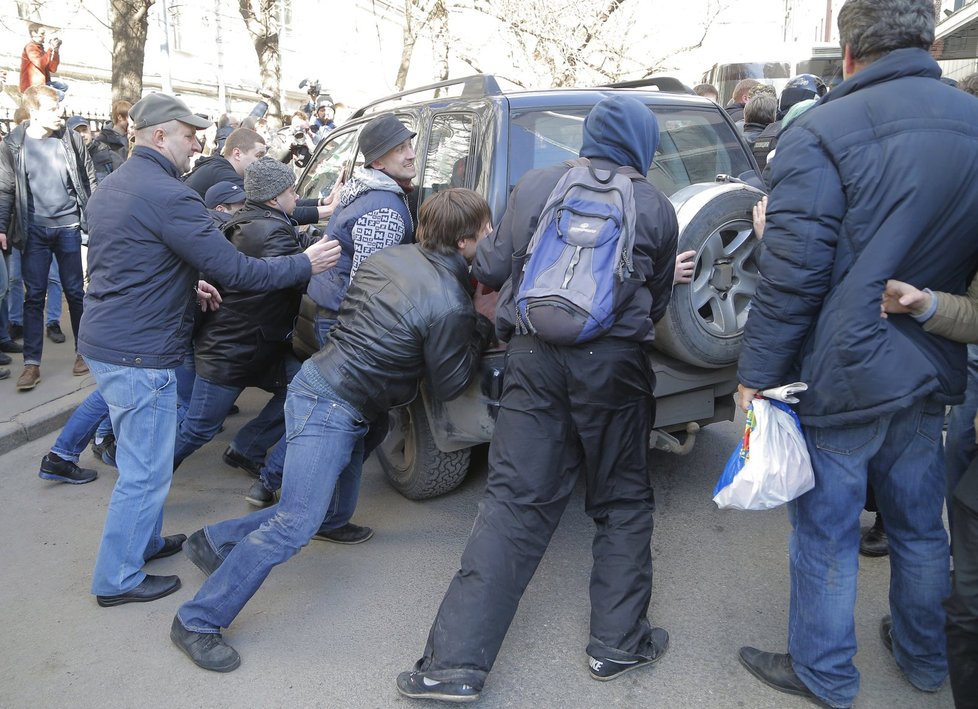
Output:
x=407 y=315
x=110 y=146
x=247 y=342
x=46 y=178
x=866 y=186
x=149 y=238
x=566 y=410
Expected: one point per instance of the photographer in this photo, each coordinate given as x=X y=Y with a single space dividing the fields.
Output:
x=36 y=65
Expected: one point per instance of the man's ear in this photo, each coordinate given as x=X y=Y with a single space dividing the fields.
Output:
x=848 y=63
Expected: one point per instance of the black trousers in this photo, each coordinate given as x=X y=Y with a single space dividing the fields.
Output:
x=563 y=410
x=962 y=605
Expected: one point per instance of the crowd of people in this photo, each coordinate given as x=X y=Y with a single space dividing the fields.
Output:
x=196 y=272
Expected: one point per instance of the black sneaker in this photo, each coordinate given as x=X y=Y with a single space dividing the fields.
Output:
x=54 y=333
x=11 y=347
x=259 y=495
x=347 y=534
x=238 y=460
x=4 y=373
x=418 y=685
x=604 y=669
x=206 y=650
x=105 y=451
x=64 y=471
x=5 y=359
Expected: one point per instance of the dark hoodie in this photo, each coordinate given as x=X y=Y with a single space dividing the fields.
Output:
x=619 y=131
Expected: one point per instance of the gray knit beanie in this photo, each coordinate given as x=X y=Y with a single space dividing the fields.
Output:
x=267 y=178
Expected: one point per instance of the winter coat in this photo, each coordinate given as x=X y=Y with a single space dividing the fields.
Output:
x=109 y=149
x=150 y=237
x=407 y=316
x=244 y=342
x=608 y=143
x=872 y=183
x=15 y=192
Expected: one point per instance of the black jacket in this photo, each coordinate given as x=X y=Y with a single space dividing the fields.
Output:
x=245 y=342
x=14 y=210
x=109 y=149
x=654 y=255
x=407 y=315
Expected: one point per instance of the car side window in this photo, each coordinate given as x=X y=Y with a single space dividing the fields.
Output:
x=450 y=157
x=329 y=163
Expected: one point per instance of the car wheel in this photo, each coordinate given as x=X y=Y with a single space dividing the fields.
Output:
x=412 y=462
x=704 y=324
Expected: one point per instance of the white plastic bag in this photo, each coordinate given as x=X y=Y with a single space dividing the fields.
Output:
x=771 y=465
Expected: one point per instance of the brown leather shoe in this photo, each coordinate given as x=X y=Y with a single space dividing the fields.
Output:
x=29 y=377
x=80 y=367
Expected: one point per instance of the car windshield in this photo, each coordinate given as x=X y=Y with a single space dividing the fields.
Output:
x=695 y=144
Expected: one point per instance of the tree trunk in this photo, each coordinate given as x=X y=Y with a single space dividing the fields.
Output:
x=407 y=48
x=263 y=26
x=130 y=23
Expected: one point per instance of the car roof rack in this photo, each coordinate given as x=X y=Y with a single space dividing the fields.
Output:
x=662 y=83
x=475 y=86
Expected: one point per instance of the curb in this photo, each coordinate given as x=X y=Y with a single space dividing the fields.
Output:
x=41 y=420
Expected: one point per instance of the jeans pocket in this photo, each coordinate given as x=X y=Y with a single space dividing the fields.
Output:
x=160 y=379
x=930 y=423
x=298 y=408
x=846 y=441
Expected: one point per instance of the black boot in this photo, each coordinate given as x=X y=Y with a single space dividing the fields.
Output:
x=873 y=541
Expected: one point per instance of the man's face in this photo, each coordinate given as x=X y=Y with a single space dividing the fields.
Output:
x=179 y=143
x=229 y=208
x=38 y=35
x=245 y=157
x=469 y=246
x=47 y=115
x=85 y=133
x=398 y=162
x=286 y=201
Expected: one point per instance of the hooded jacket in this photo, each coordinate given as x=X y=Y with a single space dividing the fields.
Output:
x=109 y=149
x=872 y=183
x=372 y=214
x=15 y=192
x=617 y=133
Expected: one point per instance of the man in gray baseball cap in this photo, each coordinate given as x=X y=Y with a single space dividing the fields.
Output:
x=151 y=236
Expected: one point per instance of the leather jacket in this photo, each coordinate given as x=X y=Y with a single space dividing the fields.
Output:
x=245 y=341
x=407 y=316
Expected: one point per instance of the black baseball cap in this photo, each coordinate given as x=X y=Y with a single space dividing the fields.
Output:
x=223 y=193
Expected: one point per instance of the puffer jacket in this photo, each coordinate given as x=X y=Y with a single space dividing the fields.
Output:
x=407 y=315
x=15 y=193
x=372 y=214
x=150 y=237
x=244 y=342
x=872 y=183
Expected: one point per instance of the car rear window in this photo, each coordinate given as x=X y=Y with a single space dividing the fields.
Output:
x=695 y=144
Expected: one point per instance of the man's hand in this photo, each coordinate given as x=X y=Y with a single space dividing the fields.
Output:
x=207 y=296
x=900 y=297
x=685 y=265
x=760 y=217
x=324 y=254
x=56 y=43
x=3 y=241
x=746 y=395
x=484 y=302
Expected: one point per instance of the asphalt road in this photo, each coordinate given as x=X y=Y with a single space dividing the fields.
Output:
x=334 y=626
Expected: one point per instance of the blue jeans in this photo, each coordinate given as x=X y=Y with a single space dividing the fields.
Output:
x=143 y=407
x=901 y=457
x=64 y=244
x=85 y=421
x=59 y=87
x=960 y=447
x=325 y=436
x=15 y=296
x=209 y=405
x=4 y=289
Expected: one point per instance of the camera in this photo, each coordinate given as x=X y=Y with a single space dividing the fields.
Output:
x=312 y=87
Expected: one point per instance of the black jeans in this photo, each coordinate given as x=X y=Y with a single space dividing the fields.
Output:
x=962 y=605
x=563 y=410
